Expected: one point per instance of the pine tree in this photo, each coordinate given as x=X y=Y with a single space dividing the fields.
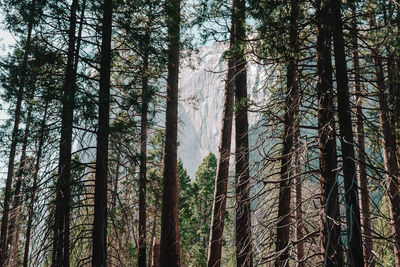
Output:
x=330 y=235
x=169 y=247
x=99 y=254
x=355 y=252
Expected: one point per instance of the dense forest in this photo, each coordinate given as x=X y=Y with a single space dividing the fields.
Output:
x=306 y=166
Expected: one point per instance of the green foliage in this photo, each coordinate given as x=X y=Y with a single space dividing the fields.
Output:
x=195 y=204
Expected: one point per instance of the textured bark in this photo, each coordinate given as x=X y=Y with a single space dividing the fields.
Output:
x=169 y=247
x=99 y=254
x=60 y=256
x=14 y=141
x=361 y=156
x=15 y=215
x=143 y=157
x=355 y=251
x=330 y=235
x=221 y=180
x=288 y=151
x=34 y=185
x=244 y=254
x=389 y=155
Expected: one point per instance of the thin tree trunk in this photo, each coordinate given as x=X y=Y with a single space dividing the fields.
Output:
x=169 y=247
x=155 y=261
x=361 y=157
x=299 y=196
x=153 y=235
x=221 y=180
x=60 y=256
x=288 y=153
x=15 y=222
x=143 y=156
x=99 y=256
x=34 y=185
x=244 y=254
x=330 y=215
x=114 y=186
x=355 y=251
x=14 y=141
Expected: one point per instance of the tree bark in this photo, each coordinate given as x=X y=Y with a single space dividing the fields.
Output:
x=355 y=251
x=169 y=247
x=155 y=261
x=14 y=141
x=299 y=197
x=143 y=156
x=114 y=193
x=361 y=156
x=288 y=151
x=34 y=185
x=389 y=151
x=153 y=235
x=244 y=254
x=15 y=216
x=221 y=180
x=60 y=256
x=99 y=255
x=330 y=215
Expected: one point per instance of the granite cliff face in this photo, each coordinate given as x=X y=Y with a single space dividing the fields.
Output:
x=201 y=103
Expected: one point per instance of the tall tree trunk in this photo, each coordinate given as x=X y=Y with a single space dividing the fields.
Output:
x=355 y=251
x=60 y=256
x=14 y=141
x=389 y=151
x=361 y=156
x=15 y=222
x=221 y=180
x=330 y=215
x=34 y=184
x=143 y=156
x=288 y=153
x=390 y=160
x=99 y=256
x=169 y=247
x=244 y=254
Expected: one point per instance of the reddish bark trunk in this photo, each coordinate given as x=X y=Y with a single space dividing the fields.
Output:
x=361 y=157
x=244 y=254
x=169 y=247
x=389 y=156
x=15 y=216
x=330 y=216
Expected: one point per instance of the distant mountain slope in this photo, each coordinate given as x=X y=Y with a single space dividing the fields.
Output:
x=201 y=103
